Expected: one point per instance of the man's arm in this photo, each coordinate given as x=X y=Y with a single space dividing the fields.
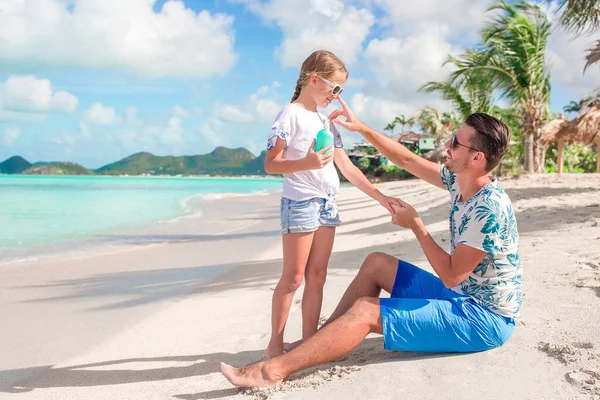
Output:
x=394 y=151
x=403 y=157
x=452 y=269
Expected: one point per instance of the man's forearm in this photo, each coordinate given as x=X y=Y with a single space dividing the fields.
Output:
x=437 y=257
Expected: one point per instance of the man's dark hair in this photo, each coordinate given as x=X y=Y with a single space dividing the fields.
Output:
x=491 y=138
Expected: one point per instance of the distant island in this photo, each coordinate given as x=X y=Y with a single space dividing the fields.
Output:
x=222 y=161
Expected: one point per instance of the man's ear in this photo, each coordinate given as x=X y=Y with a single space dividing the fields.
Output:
x=478 y=158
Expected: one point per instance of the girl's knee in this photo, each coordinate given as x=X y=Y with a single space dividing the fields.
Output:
x=316 y=278
x=290 y=282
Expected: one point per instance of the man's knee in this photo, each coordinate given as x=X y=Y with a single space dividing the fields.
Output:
x=366 y=310
x=377 y=260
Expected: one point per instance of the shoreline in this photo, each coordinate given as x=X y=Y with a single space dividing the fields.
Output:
x=100 y=242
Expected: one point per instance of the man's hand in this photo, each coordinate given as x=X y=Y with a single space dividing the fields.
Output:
x=387 y=202
x=405 y=215
x=352 y=123
x=317 y=160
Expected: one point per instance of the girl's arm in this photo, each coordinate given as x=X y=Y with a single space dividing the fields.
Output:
x=276 y=164
x=358 y=179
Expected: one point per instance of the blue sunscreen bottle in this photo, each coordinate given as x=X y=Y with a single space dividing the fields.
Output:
x=324 y=138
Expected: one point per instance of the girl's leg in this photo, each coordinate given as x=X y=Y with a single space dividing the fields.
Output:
x=296 y=249
x=315 y=275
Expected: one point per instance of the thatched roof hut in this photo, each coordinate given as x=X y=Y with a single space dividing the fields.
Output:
x=583 y=129
x=549 y=131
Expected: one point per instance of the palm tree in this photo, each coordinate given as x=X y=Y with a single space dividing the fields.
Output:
x=410 y=122
x=390 y=127
x=434 y=123
x=583 y=105
x=402 y=121
x=468 y=93
x=581 y=16
x=513 y=59
x=573 y=106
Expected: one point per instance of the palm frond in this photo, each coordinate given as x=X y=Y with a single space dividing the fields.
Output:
x=593 y=56
x=580 y=15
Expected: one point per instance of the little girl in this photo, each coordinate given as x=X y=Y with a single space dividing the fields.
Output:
x=309 y=213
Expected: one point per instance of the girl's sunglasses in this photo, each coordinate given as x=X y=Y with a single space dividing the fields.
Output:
x=335 y=89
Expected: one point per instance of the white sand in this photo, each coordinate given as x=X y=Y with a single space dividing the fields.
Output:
x=145 y=324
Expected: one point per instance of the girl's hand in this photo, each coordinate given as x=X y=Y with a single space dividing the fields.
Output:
x=387 y=202
x=405 y=215
x=352 y=123
x=317 y=160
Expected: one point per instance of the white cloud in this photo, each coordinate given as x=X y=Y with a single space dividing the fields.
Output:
x=261 y=91
x=213 y=131
x=356 y=82
x=180 y=112
x=172 y=134
x=99 y=114
x=313 y=25
x=461 y=18
x=132 y=118
x=29 y=94
x=115 y=34
x=11 y=134
x=267 y=109
x=567 y=57
x=231 y=113
x=15 y=116
x=402 y=65
x=379 y=111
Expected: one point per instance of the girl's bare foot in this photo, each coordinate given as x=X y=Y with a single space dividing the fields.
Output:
x=274 y=351
x=291 y=346
x=252 y=376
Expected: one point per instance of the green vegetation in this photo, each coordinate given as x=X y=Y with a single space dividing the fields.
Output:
x=58 y=168
x=14 y=165
x=222 y=161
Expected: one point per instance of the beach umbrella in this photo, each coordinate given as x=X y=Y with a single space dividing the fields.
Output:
x=583 y=129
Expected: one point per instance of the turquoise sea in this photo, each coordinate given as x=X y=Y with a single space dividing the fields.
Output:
x=40 y=211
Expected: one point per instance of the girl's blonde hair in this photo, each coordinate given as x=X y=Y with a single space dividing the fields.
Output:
x=322 y=63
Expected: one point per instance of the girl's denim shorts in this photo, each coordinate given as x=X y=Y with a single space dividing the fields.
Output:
x=308 y=215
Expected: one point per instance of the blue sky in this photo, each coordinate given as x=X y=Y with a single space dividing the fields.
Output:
x=93 y=81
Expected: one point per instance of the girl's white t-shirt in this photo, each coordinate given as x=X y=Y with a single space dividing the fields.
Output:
x=297 y=127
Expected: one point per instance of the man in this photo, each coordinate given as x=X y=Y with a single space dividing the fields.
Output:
x=473 y=303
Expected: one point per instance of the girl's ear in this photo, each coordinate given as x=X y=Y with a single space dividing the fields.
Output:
x=313 y=80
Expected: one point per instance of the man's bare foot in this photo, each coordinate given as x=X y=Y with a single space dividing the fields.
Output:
x=274 y=351
x=291 y=346
x=251 y=376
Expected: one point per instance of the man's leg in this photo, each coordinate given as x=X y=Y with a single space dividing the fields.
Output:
x=377 y=272
x=329 y=343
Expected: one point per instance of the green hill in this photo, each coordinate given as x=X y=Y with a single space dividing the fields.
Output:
x=57 y=168
x=14 y=165
x=221 y=161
